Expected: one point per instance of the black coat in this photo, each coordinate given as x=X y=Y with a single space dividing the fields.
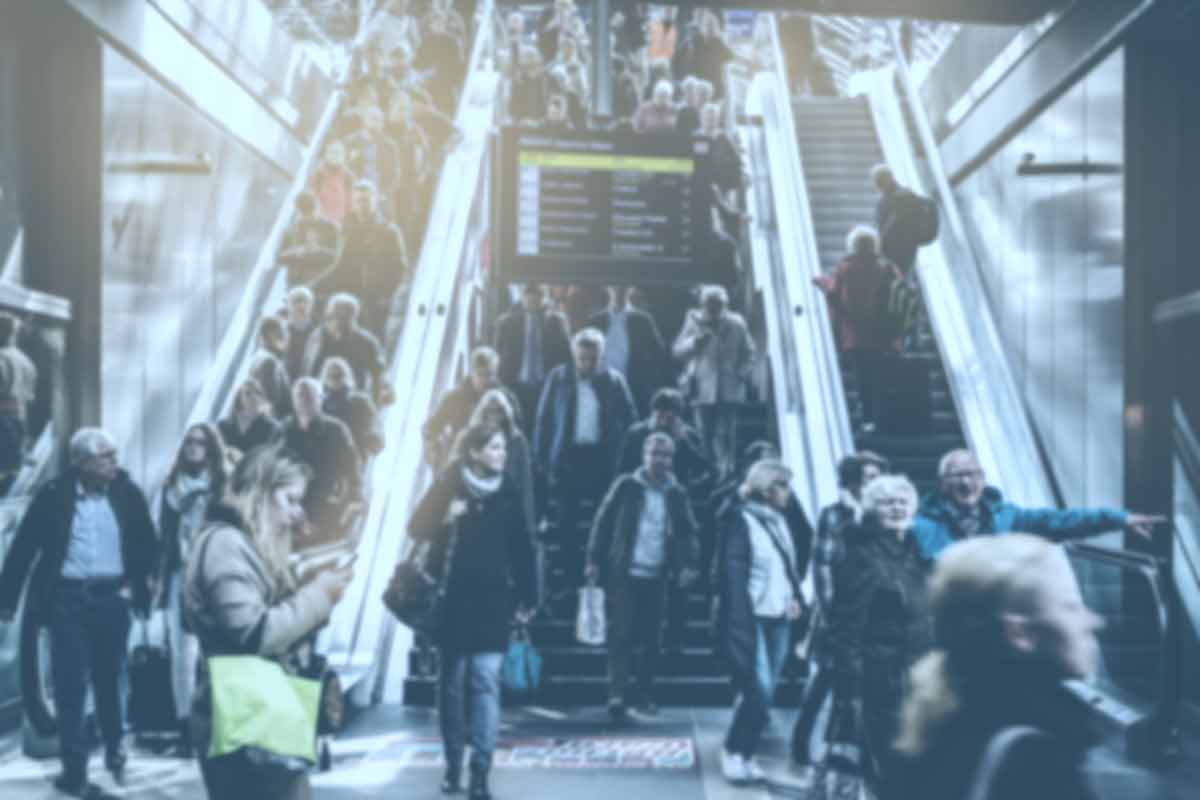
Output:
x=614 y=531
x=493 y=563
x=357 y=410
x=647 y=353
x=373 y=262
x=737 y=635
x=307 y=261
x=510 y=343
x=455 y=407
x=1048 y=765
x=328 y=448
x=262 y=431
x=45 y=531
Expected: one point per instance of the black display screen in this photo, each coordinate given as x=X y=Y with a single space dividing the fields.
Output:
x=604 y=207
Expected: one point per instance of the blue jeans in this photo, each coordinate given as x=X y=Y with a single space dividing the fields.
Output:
x=752 y=714
x=89 y=628
x=469 y=706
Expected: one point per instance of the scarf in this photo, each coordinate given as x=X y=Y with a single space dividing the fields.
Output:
x=189 y=495
x=481 y=488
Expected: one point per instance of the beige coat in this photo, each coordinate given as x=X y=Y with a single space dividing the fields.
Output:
x=719 y=370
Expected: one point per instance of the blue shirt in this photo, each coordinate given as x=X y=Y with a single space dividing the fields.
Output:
x=95 y=547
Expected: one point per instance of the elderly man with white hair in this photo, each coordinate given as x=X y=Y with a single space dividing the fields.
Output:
x=93 y=539
x=719 y=352
x=658 y=114
x=964 y=505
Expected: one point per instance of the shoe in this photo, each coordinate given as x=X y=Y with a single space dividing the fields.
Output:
x=452 y=782
x=478 y=789
x=733 y=768
x=616 y=711
x=115 y=763
x=754 y=773
x=72 y=783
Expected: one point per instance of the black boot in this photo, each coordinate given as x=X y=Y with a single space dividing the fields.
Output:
x=183 y=749
x=452 y=782
x=479 y=784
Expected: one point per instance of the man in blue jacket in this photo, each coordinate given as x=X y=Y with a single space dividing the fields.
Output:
x=966 y=506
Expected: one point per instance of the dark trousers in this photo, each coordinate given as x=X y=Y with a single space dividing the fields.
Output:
x=235 y=775
x=816 y=692
x=528 y=395
x=635 y=616
x=89 y=628
x=753 y=712
x=869 y=365
x=582 y=480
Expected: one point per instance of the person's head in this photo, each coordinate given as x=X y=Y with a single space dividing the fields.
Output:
x=373 y=119
x=9 y=324
x=335 y=153
x=1007 y=612
x=863 y=240
x=617 y=296
x=402 y=56
x=484 y=449
x=961 y=478
x=892 y=500
x=495 y=409
x=307 y=395
x=713 y=301
x=556 y=109
x=709 y=25
x=299 y=306
x=250 y=398
x=587 y=348
x=533 y=297
x=710 y=118
x=93 y=454
x=568 y=49
x=516 y=25
x=362 y=198
x=336 y=375
x=663 y=92
x=267 y=489
x=665 y=407
x=658 y=456
x=857 y=470
x=202 y=450
x=767 y=481
x=882 y=177
x=687 y=88
x=273 y=333
x=485 y=366
x=758 y=450
x=341 y=313
x=306 y=205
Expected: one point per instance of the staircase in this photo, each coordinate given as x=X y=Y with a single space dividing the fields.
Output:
x=838 y=147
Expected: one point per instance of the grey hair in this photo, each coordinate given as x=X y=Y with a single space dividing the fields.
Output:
x=589 y=337
x=344 y=300
x=87 y=442
x=888 y=486
x=714 y=291
x=944 y=462
x=338 y=361
x=862 y=240
x=658 y=437
x=881 y=173
x=485 y=357
x=312 y=383
x=761 y=475
x=300 y=291
x=662 y=84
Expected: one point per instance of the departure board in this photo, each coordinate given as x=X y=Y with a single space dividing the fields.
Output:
x=606 y=207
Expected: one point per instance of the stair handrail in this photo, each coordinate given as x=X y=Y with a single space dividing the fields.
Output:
x=819 y=400
x=994 y=416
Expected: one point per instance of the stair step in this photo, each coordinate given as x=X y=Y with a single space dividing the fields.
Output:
x=560 y=691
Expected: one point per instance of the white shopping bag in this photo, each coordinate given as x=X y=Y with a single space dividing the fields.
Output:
x=590 y=621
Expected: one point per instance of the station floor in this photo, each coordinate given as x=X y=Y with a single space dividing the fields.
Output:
x=393 y=752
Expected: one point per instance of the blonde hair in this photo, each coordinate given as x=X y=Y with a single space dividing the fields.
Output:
x=975 y=583
x=761 y=475
x=888 y=486
x=862 y=240
x=258 y=476
x=494 y=408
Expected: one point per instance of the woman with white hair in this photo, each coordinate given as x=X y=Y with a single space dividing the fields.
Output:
x=857 y=292
x=879 y=626
x=1011 y=626
x=658 y=114
x=760 y=562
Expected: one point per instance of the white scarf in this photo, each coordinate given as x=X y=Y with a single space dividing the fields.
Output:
x=479 y=486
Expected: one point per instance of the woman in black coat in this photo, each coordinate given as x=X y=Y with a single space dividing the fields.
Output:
x=988 y=706
x=879 y=626
x=474 y=515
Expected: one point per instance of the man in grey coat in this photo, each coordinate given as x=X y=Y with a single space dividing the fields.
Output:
x=719 y=352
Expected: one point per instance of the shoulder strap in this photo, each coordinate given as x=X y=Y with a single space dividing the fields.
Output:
x=791 y=567
x=998 y=748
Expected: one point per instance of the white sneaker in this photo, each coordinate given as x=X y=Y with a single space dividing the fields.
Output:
x=733 y=767
x=754 y=773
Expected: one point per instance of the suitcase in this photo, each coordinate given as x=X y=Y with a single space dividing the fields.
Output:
x=151 y=697
x=905 y=402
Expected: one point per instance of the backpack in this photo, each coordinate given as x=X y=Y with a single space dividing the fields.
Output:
x=926 y=220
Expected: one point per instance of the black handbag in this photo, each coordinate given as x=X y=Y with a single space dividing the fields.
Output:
x=415 y=595
x=151 y=698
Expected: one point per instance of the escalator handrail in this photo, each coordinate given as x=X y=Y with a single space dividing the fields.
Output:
x=994 y=416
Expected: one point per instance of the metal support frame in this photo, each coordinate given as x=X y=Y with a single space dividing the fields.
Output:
x=602 y=59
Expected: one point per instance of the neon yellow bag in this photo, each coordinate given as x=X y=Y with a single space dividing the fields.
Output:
x=258 y=707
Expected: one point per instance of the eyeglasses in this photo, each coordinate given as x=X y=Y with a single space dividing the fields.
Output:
x=105 y=455
x=970 y=474
x=192 y=440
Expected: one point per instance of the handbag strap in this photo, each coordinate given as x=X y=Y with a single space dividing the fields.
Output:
x=790 y=567
x=998 y=748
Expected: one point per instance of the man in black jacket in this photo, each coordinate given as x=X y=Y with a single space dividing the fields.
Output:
x=643 y=539
x=309 y=246
x=342 y=336
x=531 y=341
x=666 y=416
x=95 y=545
x=454 y=409
x=633 y=346
x=900 y=218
